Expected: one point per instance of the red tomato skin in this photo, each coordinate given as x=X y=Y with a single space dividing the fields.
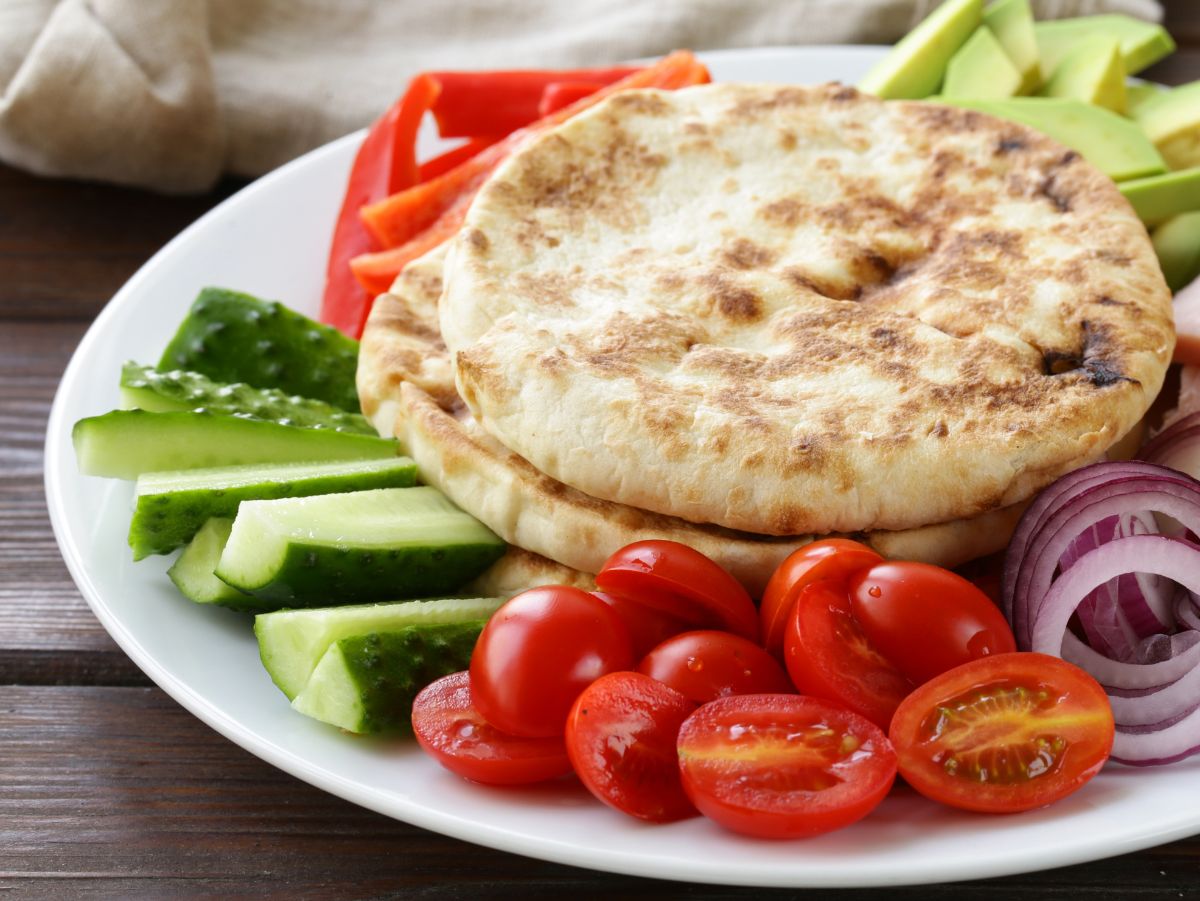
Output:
x=538 y=652
x=830 y=558
x=621 y=741
x=648 y=626
x=707 y=665
x=763 y=798
x=926 y=619
x=681 y=582
x=449 y=728
x=829 y=657
x=1076 y=711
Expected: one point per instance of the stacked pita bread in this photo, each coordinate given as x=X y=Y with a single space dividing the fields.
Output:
x=743 y=316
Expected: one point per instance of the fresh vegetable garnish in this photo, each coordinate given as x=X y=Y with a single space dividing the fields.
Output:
x=828 y=656
x=449 y=727
x=925 y=619
x=708 y=665
x=1177 y=446
x=621 y=736
x=832 y=558
x=1004 y=733
x=538 y=652
x=682 y=583
x=783 y=766
x=648 y=626
x=1079 y=536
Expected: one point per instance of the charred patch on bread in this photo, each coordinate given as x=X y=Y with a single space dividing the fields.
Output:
x=1010 y=144
x=834 y=290
x=1100 y=353
x=743 y=253
x=733 y=301
x=478 y=240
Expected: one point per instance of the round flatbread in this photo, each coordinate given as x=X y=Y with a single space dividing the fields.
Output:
x=407 y=389
x=788 y=310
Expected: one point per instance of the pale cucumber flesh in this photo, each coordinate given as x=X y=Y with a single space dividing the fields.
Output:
x=291 y=642
x=353 y=547
x=170 y=507
x=193 y=575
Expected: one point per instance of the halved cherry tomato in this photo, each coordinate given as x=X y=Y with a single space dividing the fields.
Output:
x=828 y=656
x=1004 y=733
x=926 y=619
x=831 y=558
x=783 y=766
x=708 y=665
x=621 y=741
x=648 y=627
x=681 y=582
x=449 y=728
x=538 y=652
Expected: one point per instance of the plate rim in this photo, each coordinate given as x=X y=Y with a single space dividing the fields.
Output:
x=439 y=821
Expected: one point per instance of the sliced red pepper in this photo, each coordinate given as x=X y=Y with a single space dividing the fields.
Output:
x=451 y=159
x=402 y=217
x=386 y=162
x=563 y=93
x=496 y=103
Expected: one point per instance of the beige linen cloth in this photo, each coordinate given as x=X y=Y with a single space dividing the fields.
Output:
x=171 y=93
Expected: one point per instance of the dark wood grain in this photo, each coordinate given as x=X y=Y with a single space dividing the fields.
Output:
x=153 y=803
x=108 y=789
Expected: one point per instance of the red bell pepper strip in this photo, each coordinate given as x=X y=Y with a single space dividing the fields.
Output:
x=563 y=93
x=451 y=159
x=386 y=162
x=497 y=103
x=402 y=217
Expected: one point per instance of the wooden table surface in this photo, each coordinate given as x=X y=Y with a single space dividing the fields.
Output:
x=109 y=789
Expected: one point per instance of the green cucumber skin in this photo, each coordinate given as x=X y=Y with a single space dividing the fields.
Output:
x=234 y=337
x=390 y=668
x=163 y=522
x=124 y=444
x=148 y=389
x=193 y=575
x=311 y=574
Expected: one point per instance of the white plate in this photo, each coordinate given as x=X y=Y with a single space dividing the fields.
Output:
x=271 y=240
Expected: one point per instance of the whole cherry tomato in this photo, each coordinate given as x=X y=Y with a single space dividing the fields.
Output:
x=926 y=619
x=538 y=652
x=708 y=665
x=681 y=582
x=648 y=626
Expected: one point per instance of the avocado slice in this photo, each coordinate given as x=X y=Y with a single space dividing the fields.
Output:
x=981 y=69
x=1159 y=197
x=1171 y=119
x=917 y=64
x=1111 y=143
x=1011 y=21
x=1138 y=94
x=1142 y=43
x=1091 y=71
x=1177 y=243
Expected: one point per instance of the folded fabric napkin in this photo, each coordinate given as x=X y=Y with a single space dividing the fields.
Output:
x=171 y=93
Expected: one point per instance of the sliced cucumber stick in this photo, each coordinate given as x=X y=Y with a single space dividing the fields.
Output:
x=367 y=683
x=291 y=642
x=144 y=388
x=124 y=444
x=193 y=575
x=234 y=337
x=360 y=546
x=170 y=507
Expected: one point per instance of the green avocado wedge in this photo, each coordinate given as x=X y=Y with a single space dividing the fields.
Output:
x=1091 y=71
x=1177 y=243
x=1111 y=143
x=981 y=69
x=1171 y=119
x=1011 y=21
x=915 y=67
x=1142 y=43
x=1159 y=197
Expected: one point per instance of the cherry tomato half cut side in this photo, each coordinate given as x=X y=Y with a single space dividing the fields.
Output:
x=538 y=652
x=783 y=766
x=926 y=619
x=828 y=656
x=681 y=582
x=831 y=558
x=451 y=730
x=1004 y=733
x=621 y=740
x=707 y=665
